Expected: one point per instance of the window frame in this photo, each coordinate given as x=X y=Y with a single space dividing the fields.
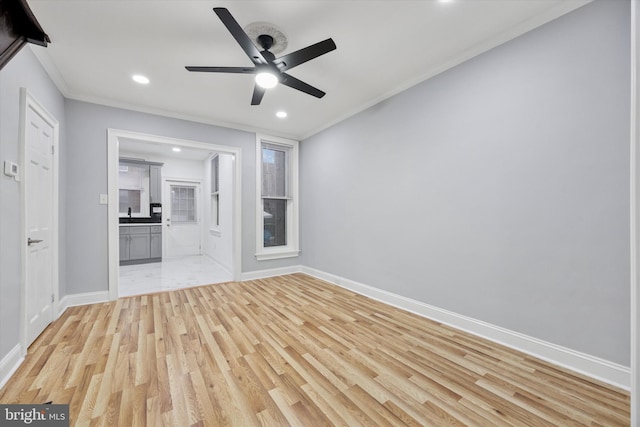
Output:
x=143 y=188
x=194 y=210
x=292 y=247
x=214 y=198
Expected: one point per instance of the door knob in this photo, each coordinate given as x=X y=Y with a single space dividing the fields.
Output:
x=31 y=241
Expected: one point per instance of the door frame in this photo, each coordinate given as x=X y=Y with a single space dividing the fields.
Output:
x=634 y=152
x=198 y=184
x=29 y=102
x=113 y=150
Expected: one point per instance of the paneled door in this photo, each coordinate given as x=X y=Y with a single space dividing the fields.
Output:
x=181 y=218
x=40 y=136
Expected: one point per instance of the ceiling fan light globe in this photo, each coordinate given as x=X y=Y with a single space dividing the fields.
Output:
x=266 y=80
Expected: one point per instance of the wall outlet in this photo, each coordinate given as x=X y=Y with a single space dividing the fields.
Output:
x=104 y=199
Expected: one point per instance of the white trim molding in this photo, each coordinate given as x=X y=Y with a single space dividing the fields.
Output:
x=81 y=299
x=634 y=154
x=292 y=247
x=113 y=149
x=272 y=272
x=594 y=367
x=10 y=363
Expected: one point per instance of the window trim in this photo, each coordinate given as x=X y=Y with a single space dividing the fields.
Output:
x=214 y=225
x=292 y=248
x=195 y=210
x=144 y=190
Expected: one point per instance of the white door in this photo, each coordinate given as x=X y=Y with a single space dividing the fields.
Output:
x=181 y=218
x=39 y=134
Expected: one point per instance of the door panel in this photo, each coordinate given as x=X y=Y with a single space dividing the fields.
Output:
x=39 y=142
x=182 y=218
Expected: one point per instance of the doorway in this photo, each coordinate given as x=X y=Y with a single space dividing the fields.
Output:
x=39 y=193
x=182 y=212
x=118 y=138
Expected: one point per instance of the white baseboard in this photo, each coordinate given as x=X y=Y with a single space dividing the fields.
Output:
x=81 y=299
x=609 y=372
x=225 y=267
x=10 y=363
x=600 y=369
x=263 y=274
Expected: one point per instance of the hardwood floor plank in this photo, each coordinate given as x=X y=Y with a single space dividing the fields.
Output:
x=328 y=404
x=292 y=350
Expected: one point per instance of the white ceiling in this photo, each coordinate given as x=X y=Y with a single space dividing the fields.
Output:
x=383 y=47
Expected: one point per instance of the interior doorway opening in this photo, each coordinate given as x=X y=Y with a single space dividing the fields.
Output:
x=199 y=226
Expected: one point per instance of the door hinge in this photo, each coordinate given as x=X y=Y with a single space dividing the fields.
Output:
x=53 y=149
x=53 y=298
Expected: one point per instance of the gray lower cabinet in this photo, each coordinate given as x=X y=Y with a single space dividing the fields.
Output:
x=156 y=241
x=140 y=244
x=124 y=244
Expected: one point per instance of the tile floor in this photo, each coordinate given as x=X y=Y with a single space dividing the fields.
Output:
x=172 y=273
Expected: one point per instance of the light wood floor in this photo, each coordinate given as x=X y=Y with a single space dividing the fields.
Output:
x=292 y=350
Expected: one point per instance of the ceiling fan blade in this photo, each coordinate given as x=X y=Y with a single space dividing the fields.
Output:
x=241 y=37
x=294 y=83
x=244 y=70
x=258 y=93
x=301 y=56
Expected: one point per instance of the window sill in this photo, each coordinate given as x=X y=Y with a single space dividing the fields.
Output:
x=277 y=254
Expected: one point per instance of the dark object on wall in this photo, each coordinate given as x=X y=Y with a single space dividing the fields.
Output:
x=18 y=26
x=265 y=61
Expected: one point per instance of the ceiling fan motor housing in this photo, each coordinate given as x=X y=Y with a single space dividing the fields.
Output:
x=266 y=41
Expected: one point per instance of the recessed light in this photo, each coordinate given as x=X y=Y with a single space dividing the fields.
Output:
x=176 y=149
x=445 y=1
x=281 y=114
x=139 y=78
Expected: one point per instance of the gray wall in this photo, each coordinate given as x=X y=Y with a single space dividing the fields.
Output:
x=83 y=176
x=498 y=189
x=87 y=177
x=23 y=70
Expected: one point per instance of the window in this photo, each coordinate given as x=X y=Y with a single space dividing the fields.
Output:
x=215 y=191
x=277 y=190
x=133 y=189
x=129 y=199
x=183 y=204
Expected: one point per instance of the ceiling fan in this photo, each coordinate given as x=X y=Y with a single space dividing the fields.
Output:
x=268 y=69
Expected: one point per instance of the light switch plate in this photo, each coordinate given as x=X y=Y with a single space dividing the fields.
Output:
x=11 y=169
x=104 y=199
